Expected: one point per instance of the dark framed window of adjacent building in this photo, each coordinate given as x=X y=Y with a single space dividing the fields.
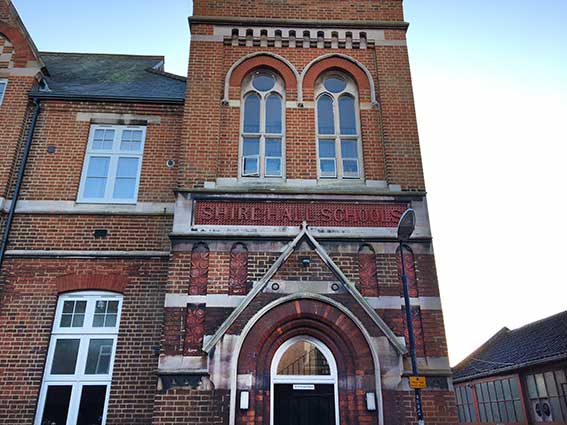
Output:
x=491 y=401
x=547 y=393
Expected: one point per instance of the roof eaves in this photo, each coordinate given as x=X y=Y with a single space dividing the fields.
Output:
x=518 y=366
x=106 y=98
x=167 y=74
x=158 y=58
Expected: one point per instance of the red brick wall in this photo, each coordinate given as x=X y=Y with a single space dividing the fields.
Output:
x=403 y=155
x=76 y=232
x=439 y=407
x=28 y=300
x=56 y=176
x=213 y=130
x=386 y=10
x=13 y=112
x=188 y=406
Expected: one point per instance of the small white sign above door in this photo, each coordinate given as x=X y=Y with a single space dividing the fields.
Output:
x=304 y=387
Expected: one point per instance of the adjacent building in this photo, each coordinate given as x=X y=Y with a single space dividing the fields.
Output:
x=219 y=248
x=517 y=377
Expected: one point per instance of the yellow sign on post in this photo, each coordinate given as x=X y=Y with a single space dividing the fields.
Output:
x=417 y=382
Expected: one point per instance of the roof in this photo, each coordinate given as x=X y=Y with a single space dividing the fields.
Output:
x=535 y=343
x=110 y=77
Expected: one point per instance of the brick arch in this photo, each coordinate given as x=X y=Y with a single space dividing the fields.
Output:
x=248 y=63
x=85 y=282
x=22 y=50
x=328 y=324
x=355 y=69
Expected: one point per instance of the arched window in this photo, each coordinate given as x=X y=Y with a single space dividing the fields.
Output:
x=338 y=129
x=304 y=382
x=263 y=127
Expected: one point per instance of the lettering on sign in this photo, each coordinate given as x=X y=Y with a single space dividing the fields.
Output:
x=329 y=214
x=417 y=382
x=304 y=387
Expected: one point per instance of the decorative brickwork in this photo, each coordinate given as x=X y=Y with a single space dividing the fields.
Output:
x=238 y=270
x=194 y=328
x=409 y=264
x=86 y=282
x=199 y=270
x=417 y=330
x=325 y=323
x=367 y=271
x=334 y=214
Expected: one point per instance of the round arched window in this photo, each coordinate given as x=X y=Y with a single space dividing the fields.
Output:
x=303 y=358
x=338 y=128
x=304 y=383
x=263 y=126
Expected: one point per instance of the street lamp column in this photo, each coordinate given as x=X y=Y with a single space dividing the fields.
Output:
x=406 y=227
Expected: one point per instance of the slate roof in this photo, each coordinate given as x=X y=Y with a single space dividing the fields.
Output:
x=537 y=342
x=108 y=76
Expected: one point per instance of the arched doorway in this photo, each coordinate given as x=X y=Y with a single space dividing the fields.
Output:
x=304 y=384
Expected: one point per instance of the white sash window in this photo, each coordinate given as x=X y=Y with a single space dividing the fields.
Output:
x=113 y=163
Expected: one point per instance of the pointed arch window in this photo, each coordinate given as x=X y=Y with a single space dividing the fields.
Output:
x=338 y=128
x=263 y=126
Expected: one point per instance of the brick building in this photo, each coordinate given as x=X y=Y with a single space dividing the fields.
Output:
x=517 y=377
x=217 y=249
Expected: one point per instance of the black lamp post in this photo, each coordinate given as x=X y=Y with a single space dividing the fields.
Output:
x=406 y=226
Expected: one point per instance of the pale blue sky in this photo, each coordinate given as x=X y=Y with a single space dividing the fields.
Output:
x=490 y=79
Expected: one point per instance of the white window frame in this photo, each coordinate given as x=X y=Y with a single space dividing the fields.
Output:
x=4 y=84
x=278 y=90
x=85 y=334
x=352 y=91
x=331 y=379
x=114 y=154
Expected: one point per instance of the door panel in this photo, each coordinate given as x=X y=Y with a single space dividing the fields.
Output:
x=304 y=407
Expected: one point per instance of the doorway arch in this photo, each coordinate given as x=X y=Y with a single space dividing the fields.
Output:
x=322 y=318
x=304 y=378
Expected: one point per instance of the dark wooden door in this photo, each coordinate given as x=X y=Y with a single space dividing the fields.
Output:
x=304 y=407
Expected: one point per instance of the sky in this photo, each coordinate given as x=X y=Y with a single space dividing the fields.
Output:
x=490 y=83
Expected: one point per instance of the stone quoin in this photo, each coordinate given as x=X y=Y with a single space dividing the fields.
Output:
x=218 y=248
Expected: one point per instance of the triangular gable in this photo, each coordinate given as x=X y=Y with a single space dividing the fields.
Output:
x=288 y=250
x=15 y=30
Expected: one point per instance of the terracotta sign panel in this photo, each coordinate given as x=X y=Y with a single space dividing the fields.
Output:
x=321 y=214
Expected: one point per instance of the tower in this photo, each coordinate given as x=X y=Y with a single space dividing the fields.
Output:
x=299 y=154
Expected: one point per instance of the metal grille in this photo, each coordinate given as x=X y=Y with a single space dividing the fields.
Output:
x=323 y=214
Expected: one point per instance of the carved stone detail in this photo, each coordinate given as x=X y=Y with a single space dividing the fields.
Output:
x=409 y=264
x=417 y=330
x=199 y=270
x=194 y=329
x=238 y=274
x=367 y=272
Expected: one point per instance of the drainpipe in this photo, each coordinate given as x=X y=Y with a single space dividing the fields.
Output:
x=21 y=173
